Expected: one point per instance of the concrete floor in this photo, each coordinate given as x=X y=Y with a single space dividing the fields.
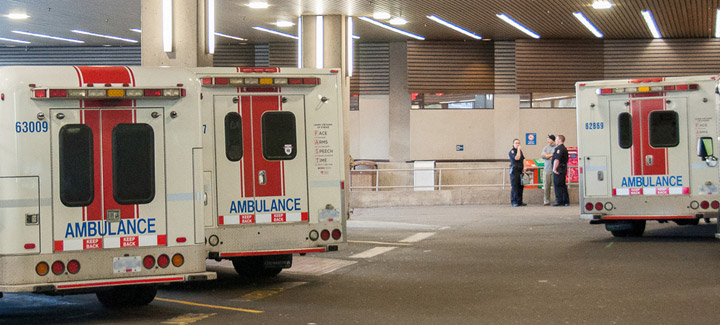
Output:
x=446 y=265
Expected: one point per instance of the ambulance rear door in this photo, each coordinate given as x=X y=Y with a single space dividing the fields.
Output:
x=108 y=178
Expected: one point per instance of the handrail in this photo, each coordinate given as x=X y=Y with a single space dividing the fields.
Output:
x=439 y=186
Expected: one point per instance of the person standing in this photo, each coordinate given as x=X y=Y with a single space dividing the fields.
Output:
x=517 y=168
x=547 y=154
x=560 y=160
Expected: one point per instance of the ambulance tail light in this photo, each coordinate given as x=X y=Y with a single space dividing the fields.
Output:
x=73 y=266
x=704 y=204
x=325 y=234
x=149 y=262
x=336 y=234
x=588 y=206
x=694 y=204
x=42 y=269
x=314 y=235
x=598 y=206
x=178 y=260
x=163 y=261
x=609 y=206
x=58 y=267
x=715 y=204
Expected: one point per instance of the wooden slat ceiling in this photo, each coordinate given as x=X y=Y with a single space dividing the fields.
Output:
x=552 y=19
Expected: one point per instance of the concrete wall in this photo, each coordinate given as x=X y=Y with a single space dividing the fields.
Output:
x=369 y=128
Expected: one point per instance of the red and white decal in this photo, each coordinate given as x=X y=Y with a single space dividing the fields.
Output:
x=651 y=191
x=109 y=242
x=239 y=219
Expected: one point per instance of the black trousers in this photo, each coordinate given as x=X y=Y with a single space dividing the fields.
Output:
x=516 y=194
x=561 y=192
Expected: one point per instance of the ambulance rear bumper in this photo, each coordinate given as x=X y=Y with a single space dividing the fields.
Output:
x=94 y=285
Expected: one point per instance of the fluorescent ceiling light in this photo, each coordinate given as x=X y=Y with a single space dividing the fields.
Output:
x=319 y=42
x=49 y=36
x=258 y=5
x=398 y=21
x=455 y=27
x=17 y=15
x=137 y=30
x=284 y=23
x=588 y=24
x=388 y=27
x=602 y=4
x=650 y=21
x=517 y=25
x=263 y=29
x=717 y=24
x=167 y=32
x=350 y=55
x=13 y=40
x=381 y=15
x=77 y=31
x=299 y=42
x=230 y=36
x=356 y=37
x=211 y=26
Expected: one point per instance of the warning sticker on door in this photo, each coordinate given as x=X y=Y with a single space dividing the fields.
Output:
x=322 y=149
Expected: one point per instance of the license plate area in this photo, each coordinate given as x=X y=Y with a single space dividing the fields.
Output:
x=127 y=264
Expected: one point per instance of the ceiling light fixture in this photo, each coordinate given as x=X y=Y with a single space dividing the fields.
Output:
x=263 y=29
x=137 y=30
x=13 y=40
x=602 y=4
x=230 y=36
x=350 y=47
x=167 y=26
x=17 y=15
x=398 y=21
x=319 y=42
x=455 y=27
x=258 y=5
x=77 y=31
x=381 y=15
x=650 y=21
x=211 y=26
x=517 y=25
x=588 y=24
x=717 y=24
x=49 y=36
x=299 y=42
x=356 y=37
x=388 y=27
x=284 y=23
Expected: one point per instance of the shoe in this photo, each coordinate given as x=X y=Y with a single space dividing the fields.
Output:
x=557 y=205
x=566 y=204
x=515 y=205
x=547 y=203
x=523 y=204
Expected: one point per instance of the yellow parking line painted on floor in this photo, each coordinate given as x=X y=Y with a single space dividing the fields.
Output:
x=210 y=306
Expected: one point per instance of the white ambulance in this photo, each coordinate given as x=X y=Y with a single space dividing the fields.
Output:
x=100 y=181
x=646 y=152
x=274 y=165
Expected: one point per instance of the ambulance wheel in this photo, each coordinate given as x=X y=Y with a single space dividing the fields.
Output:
x=249 y=267
x=127 y=296
x=271 y=272
x=637 y=228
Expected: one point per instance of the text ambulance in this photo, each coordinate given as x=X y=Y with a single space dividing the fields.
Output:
x=646 y=152
x=274 y=165
x=100 y=181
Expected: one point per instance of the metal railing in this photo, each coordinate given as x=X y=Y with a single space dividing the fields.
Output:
x=505 y=172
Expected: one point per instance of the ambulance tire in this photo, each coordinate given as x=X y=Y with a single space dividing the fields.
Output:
x=252 y=267
x=126 y=296
x=637 y=229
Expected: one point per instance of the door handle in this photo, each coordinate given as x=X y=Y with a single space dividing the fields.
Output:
x=205 y=198
x=601 y=176
x=648 y=160
x=262 y=177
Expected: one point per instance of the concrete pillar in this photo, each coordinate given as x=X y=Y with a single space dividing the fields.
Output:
x=189 y=25
x=400 y=101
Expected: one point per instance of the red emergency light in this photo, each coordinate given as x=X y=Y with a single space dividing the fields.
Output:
x=646 y=89
x=259 y=82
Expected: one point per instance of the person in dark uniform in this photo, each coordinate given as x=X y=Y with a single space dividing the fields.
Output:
x=560 y=160
x=517 y=168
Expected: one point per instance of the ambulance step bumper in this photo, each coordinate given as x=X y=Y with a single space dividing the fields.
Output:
x=89 y=286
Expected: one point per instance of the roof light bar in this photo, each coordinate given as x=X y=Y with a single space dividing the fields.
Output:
x=455 y=27
x=650 y=21
x=588 y=24
x=259 y=82
x=263 y=29
x=388 y=27
x=517 y=25
x=13 y=40
x=77 y=31
x=107 y=93
x=646 y=89
x=49 y=36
